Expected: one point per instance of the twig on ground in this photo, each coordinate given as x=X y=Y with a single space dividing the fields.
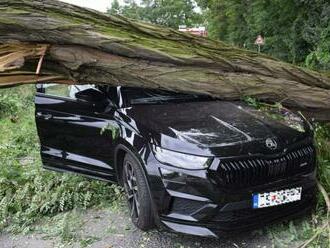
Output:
x=325 y=195
x=326 y=225
x=321 y=229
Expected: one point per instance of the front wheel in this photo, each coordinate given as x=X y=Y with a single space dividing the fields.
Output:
x=137 y=192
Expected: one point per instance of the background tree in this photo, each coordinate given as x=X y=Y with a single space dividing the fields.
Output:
x=131 y=9
x=170 y=13
x=115 y=8
x=296 y=31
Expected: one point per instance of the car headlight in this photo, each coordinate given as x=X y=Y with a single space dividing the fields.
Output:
x=181 y=160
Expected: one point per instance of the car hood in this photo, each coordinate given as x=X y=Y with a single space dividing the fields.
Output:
x=212 y=128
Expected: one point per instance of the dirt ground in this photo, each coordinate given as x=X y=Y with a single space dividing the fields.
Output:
x=106 y=228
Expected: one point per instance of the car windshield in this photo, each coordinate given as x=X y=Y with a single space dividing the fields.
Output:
x=134 y=96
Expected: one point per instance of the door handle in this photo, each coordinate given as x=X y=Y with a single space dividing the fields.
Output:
x=44 y=116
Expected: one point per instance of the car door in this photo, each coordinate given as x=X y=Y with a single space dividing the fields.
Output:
x=71 y=131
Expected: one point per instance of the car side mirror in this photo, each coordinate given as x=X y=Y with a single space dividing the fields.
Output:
x=92 y=96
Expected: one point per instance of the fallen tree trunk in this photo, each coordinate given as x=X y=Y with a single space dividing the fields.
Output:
x=86 y=46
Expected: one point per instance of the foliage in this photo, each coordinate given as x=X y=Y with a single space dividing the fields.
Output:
x=28 y=192
x=10 y=103
x=171 y=13
x=296 y=31
x=319 y=58
x=322 y=141
x=297 y=232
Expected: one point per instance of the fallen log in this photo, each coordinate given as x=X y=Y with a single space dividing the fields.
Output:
x=85 y=46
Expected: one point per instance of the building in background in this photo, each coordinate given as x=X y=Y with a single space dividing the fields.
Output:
x=200 y=31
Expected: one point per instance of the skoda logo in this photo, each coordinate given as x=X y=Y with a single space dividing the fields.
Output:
x=271 y=143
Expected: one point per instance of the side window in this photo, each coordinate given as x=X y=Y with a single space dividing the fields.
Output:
x=57 y=89
x=64 y=90
x=73 y=89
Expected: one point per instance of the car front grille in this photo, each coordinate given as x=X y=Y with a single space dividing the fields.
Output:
x=261 y=170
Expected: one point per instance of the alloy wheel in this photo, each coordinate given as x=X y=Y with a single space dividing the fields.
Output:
x=131 y=188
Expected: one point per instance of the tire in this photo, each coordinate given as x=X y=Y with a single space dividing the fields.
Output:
x=137 y=193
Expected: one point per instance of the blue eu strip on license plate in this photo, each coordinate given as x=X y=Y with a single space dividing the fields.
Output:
x=255 y=200
x=269 y=199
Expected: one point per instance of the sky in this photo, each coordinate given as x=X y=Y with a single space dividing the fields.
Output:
x=100 y=5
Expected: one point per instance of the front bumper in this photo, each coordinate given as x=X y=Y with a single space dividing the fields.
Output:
x=193 y=202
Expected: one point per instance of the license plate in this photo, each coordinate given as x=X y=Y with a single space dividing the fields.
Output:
x=269 y=199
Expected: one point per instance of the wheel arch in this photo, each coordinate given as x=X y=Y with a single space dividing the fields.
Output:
x=120 y=152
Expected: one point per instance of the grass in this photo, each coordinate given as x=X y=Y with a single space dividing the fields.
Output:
x=36 y=200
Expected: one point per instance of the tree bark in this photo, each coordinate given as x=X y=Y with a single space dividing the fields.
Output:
x=85 y=46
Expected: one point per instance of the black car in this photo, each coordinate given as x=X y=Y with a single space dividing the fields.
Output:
x=189 y=163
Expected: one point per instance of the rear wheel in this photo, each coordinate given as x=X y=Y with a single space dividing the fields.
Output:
x=137 y=192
